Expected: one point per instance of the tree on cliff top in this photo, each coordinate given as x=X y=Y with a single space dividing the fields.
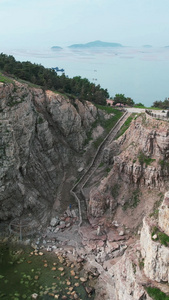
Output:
x=47 y=78
x=120 y=98
x=161 y=104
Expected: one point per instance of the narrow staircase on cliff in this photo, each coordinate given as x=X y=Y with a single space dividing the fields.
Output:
x=77 y=190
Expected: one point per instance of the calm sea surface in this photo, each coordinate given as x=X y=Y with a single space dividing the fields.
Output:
x=139 y=73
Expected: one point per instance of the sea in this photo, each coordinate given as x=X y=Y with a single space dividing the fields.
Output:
x=141 y=73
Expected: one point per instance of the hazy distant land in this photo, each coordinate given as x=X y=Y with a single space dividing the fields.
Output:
x=95 y=44
x=56 y=48
x=100 y=45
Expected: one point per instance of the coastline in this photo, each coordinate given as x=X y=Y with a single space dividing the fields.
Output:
x=93 y=247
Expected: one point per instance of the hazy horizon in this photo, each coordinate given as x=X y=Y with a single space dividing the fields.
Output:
x=139 y=73
x=28 y=24
x=30 y=28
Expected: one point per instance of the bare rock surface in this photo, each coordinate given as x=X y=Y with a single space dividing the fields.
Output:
x=42 y=138
x=164 y=214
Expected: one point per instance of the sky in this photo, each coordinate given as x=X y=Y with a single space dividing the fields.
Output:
x=29 y=24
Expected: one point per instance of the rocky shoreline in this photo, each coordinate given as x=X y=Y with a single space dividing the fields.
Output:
x=93 y=247
x=116 y=265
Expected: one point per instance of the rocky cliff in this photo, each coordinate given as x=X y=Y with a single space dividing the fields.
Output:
x=130 y=195
x=138 y=170
x=44 y=149
x=140 y=272
x=41 y=149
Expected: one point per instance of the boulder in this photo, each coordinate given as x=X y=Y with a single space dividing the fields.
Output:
x=54 y=221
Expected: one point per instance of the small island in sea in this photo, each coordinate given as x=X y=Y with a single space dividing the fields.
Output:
x=95 y=44
x=147 y=46
x=56 y=48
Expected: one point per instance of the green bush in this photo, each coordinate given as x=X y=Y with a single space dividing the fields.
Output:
x=115 y=190
x=161 y=236
x=5 y=79
x=144 y=159
x=133 y=201
x=156 y=293
x=164 y=164
x=106 y=124
x=125 y=126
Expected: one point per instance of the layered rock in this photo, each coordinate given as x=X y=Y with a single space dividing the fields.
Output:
x=164 y=214
x=42 y=136
x=155 y=255
x=127 y=277
x=143 y=148
x=137 y=160
x=144 y=264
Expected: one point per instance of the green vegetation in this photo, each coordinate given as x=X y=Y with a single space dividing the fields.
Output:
x=106 y=124
x=125 y=126
x=156 y=293
x=141 y=263
x=134 y=267
x=38 y=75
x=161 y=236
x=144 y=159
x=139 y=105
x=109 y=123
x=40 y=120
x=108 y=170
x=115 y=190
x=120 y=98
x=109 y=109
x=153 y=108
x=164 y=164
x=161 y=104
x=133 y=201
x=5 y=79
x=98 y=141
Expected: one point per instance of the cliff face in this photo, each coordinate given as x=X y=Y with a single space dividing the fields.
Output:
x=155 y=255
x=41 y=150
x=42 y=137
x=138 y=163
x=130 y=194
x=142 y=150
x=143 y=265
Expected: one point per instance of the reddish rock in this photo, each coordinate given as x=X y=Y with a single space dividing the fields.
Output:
x=114 y=236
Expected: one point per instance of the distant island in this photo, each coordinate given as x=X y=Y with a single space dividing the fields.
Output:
x=55 y=48
x=147 y=46
x=95 y=44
